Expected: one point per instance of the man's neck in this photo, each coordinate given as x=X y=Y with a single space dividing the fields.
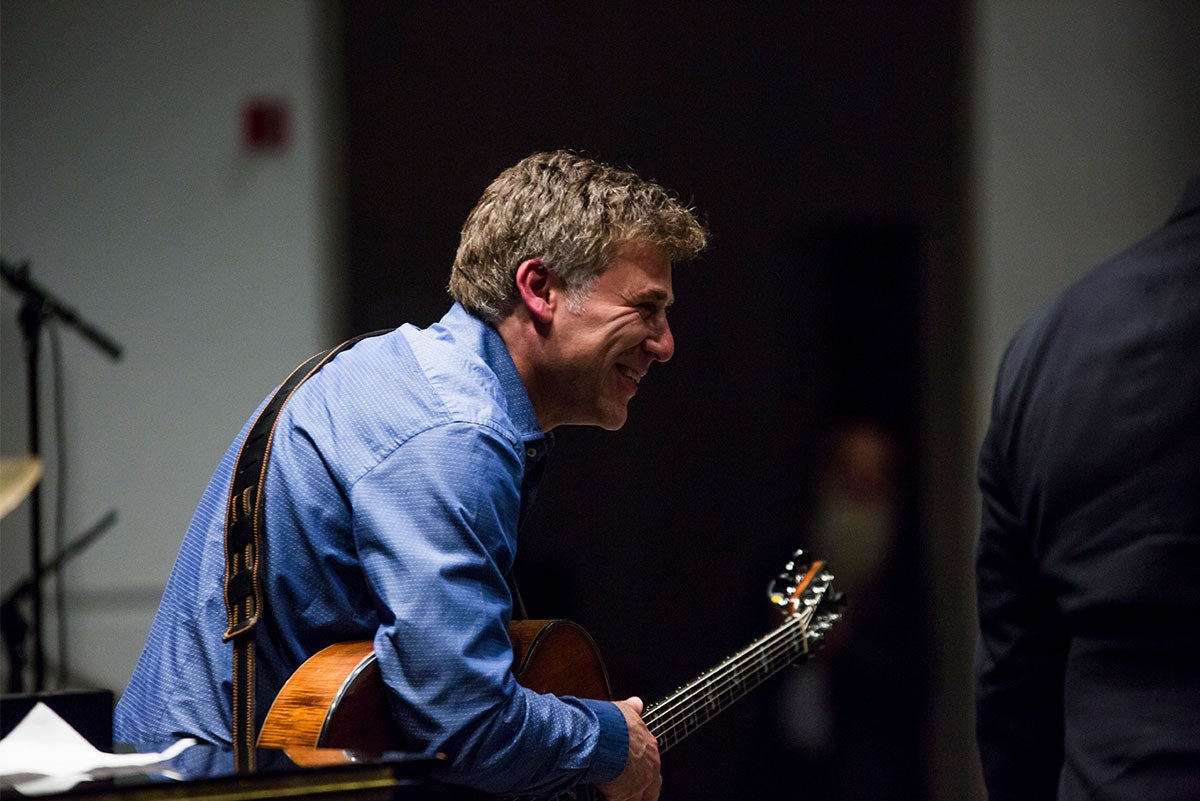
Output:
x=524 y=345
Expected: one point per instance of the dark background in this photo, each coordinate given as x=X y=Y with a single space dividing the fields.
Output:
x=820 y=143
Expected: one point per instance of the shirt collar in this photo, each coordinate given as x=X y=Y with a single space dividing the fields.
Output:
x=485 y=340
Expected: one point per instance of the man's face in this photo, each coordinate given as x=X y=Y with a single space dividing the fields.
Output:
x=607 y=339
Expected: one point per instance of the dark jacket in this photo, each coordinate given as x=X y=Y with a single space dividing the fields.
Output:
x=1089 y=555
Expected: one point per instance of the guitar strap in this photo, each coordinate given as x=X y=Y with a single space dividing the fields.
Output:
x=519 y=612
x=245 y=565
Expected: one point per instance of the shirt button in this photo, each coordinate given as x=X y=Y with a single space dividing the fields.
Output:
x=531 y=453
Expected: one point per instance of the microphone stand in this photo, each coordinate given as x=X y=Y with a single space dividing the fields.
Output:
x=13 y=624
x=38 y=306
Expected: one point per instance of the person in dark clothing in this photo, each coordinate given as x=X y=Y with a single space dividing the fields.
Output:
x=1088 y=564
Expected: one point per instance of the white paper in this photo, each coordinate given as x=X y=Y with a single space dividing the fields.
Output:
x=43 y=754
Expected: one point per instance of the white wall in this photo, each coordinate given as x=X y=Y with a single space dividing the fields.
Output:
x=125 y=184
x=1086 y=125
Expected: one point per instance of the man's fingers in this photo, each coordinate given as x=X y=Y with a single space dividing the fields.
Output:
x=634 y=702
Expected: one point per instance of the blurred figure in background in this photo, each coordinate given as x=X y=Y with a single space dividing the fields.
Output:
x=851 y=717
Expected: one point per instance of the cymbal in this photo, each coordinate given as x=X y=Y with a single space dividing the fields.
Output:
x=18 y=476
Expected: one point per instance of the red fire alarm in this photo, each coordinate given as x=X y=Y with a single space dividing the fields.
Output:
x=266 y=124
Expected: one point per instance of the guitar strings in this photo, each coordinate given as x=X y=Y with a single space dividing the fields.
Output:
x=674 y=712
x=802 y=618
x=735 y=661
x=765 y=645
x=677 y=710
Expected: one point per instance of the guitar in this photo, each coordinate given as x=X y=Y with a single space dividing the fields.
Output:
x=335 y=700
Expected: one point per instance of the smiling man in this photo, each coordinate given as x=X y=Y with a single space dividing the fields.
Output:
x=583 y=363
x=398 y=476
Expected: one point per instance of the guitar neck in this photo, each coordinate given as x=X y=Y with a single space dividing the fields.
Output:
x=694 y=704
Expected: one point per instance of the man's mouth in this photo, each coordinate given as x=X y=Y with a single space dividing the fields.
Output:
x=630 y=373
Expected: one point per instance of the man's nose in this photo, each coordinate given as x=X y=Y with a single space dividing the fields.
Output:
x=661 y=342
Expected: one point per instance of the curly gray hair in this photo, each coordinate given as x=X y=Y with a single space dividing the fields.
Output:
x=571 y=212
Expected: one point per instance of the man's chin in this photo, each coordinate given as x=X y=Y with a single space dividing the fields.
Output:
x=613 y=419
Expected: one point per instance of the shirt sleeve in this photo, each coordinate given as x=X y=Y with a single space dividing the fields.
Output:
x=612 y=750
x=435 y=526
x=1022 y=647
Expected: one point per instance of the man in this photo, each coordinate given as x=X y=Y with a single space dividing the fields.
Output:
x=399 y=473
x=1089 y=557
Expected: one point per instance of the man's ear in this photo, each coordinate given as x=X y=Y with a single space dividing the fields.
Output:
x=538 y=289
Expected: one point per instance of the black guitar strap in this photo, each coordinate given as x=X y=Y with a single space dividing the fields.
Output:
x=519 y=611
x=245 y=565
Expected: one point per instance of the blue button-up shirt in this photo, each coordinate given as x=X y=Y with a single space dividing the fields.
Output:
x=394 y=491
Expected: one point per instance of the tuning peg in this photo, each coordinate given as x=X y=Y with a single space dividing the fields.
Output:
x=798 y=559
x=781 y=589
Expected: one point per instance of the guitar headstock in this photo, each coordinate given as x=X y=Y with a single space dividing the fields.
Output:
x=805 y=590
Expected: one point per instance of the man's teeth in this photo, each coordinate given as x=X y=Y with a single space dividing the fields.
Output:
x=629 y=373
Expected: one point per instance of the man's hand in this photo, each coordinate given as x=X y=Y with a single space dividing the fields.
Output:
x=640 y=781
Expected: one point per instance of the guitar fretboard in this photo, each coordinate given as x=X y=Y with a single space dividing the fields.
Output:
x=699 y=701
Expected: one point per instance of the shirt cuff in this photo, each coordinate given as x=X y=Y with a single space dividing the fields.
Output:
x=612 y=746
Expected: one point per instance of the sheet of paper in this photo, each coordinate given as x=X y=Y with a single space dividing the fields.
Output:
x=43 y=754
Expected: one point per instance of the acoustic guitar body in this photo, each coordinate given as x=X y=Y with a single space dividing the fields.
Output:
x=336 y=699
